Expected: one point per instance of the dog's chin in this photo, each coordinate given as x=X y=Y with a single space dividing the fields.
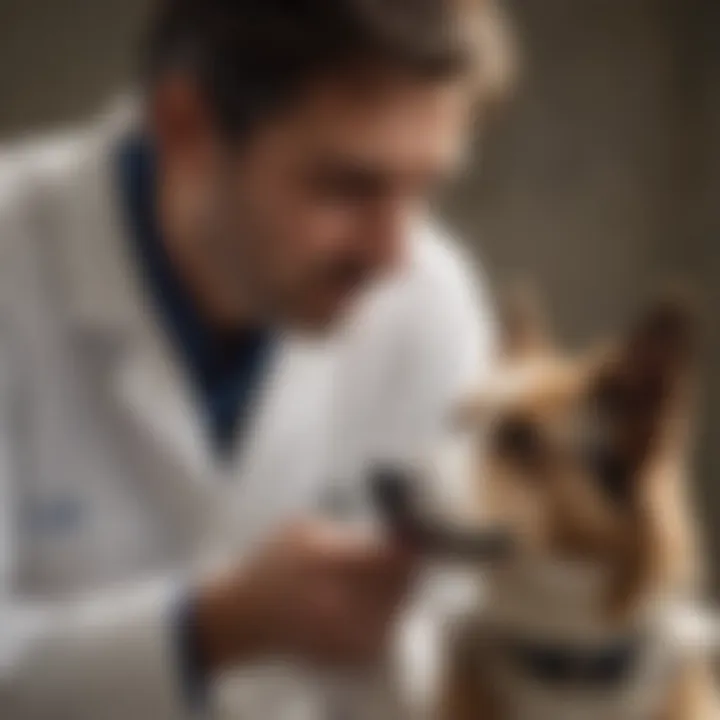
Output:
x=549 y=598
x=554 y=579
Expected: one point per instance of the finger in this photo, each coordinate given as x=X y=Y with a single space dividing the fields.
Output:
x=369 y=565
x=374 y=611
x=380 y=561
x=338 y=545
x=371 y=638
x=349 y=641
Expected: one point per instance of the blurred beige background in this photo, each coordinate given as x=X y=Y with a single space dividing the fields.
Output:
x=602 y=179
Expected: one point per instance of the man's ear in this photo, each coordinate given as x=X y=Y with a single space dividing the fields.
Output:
x=524 y=327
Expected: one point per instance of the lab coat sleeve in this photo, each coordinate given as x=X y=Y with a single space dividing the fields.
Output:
x=109 y=654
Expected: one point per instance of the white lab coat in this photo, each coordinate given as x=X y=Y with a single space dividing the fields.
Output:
x=109 y=494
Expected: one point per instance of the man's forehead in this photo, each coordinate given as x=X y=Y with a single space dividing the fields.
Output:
x=394 y=120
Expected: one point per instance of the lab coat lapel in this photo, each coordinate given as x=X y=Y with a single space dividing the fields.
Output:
x=280 y=469
x=107 y=298
x=149 y=387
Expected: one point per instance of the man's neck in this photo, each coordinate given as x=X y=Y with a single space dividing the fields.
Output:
x=185 y=251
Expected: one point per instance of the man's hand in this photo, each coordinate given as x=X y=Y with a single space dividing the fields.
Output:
x=318 y=592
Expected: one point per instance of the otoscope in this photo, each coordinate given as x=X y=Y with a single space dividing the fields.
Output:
x=393 y=491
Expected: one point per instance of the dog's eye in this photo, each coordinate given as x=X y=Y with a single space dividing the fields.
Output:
x=611 y=398
x=518 y=439
x=611 y=471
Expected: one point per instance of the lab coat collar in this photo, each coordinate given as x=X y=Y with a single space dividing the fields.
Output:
x=107 y=299
x=104 y=287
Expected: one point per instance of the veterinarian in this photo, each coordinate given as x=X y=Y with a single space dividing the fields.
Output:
x=220 y=303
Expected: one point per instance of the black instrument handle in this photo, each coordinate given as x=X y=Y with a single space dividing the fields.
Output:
x=393 y=494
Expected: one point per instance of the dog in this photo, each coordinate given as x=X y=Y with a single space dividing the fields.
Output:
x=584 y=458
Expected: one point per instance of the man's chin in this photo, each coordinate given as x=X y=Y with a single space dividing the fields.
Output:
x=323 y=313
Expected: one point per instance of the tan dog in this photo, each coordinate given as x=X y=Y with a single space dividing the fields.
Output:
x=585 y=458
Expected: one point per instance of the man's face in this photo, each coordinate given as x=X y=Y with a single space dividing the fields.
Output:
x=320 y=200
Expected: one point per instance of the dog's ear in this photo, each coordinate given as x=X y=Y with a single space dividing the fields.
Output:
x=661 y=349
x=648 y=397
x=524 y=327
x=643 y=393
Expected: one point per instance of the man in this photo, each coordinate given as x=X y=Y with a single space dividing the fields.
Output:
x=218 y=309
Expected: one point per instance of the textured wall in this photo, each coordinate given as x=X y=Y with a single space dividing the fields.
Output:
x=59 y=58
x=603 y=177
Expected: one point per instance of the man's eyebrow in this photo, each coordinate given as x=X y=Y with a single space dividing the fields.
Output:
x=375 y=176
x=350 y=171
x=352 y=164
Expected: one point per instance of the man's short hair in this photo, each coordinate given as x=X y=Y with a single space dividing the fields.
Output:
x=252 y=57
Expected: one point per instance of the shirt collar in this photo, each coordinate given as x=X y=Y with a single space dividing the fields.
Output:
x=224 y=369
x=102 y=289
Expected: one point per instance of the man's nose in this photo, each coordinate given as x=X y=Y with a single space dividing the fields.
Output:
x=388 y=239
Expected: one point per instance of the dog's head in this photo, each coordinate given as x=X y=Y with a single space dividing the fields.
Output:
x=584 y=455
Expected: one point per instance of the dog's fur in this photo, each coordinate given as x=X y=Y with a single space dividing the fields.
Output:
x=585 y=460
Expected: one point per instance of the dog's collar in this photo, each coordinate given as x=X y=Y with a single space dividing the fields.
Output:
x=566 y=665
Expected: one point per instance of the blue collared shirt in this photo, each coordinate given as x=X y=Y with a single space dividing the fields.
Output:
x=224 y=368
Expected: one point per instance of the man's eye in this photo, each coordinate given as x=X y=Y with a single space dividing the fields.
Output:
x=518 y=439
x=352 y=185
